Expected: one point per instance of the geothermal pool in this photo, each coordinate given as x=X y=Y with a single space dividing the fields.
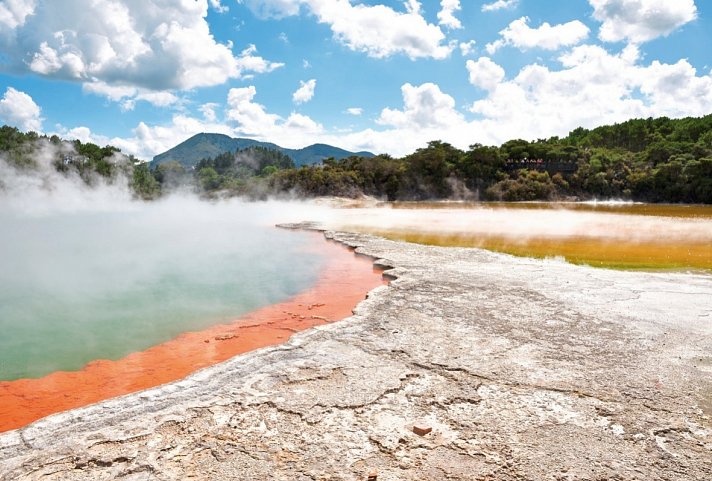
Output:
x=80 y=286
x=102 y=302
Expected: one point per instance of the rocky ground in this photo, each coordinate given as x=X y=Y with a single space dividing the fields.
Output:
x=520 y=369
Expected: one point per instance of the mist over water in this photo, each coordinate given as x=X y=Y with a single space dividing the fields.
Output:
x=119 y=276
x=87 y=273
x=521 y=224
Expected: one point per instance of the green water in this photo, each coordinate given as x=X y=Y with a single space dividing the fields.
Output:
x=75 y=287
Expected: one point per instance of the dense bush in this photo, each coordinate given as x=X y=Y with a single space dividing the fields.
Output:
x=655 y=160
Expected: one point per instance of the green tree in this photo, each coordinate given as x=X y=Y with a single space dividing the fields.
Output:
x=143 y=184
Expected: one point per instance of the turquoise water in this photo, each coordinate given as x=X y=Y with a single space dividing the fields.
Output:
x=80 y=286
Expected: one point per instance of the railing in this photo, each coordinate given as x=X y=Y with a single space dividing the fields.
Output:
x=541 y=165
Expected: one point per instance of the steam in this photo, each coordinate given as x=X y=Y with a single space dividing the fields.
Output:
x=246 y=158
x=88 y=272
x=40 y=188
x=522 y=224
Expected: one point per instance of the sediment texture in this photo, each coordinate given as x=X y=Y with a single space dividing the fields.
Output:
x=524 y=370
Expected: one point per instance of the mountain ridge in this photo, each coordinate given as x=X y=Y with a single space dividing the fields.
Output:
x=203 y=145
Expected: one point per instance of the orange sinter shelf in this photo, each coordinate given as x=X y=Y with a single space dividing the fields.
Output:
x=344 y=281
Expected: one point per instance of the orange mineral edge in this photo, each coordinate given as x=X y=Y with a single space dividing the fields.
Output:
x=344 y=281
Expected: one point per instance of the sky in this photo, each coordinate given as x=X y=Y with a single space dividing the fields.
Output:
x=384 y=76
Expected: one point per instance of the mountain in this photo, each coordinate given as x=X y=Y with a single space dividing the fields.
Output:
x=204 y=145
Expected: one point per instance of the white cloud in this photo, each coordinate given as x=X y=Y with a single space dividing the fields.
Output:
x=208 y=111
x=484 y=73
x=301 y=123
x=425 y=106
x=412 y=6
x=19 y=110
x=305 y=92
x=159 y=99
x=128 y=96
x=14 y=12
x=641 y=20
x=128 y=43
x=85 y=135
x=380 y=31
x=273 y=8
x=218 y=7
x=377 y=30
x=466 y=48
x=446 y=16
x=520 y=35
x=354 y=111
x=249 y=62
x=250 y=117
x=499 y=5
x=112 y=92
x=676 y=90
x=593 y=88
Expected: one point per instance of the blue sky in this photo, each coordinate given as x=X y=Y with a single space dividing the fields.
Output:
x=383 y=76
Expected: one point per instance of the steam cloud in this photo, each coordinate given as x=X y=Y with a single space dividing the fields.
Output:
x=91 y=267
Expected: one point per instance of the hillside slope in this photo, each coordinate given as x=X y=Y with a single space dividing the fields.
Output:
x=205 y=145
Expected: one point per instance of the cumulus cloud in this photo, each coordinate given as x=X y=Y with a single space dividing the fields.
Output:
x=446 y=16
x=251 y=119
x=354 y=111
x=218 y=7
x=19 y=110
x=142 y=44
x=423 y=106
x=14 y=12
x=499 y=5
x=592 y=88
x=641 y=20
x=466 y=48
x=377 y=30
x=249 y=62
x=305 y=92
x=520 y=35
x=208 y=111
x=380 y=31
x=301 y=124
x=484 y=73
x=128 y=95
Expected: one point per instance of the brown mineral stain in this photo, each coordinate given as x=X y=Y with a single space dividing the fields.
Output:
x=344 y=282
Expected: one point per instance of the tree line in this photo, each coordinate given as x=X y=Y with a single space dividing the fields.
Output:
x=89 y=162
x=651 y=160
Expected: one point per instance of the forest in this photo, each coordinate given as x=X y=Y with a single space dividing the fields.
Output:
x=649 y=160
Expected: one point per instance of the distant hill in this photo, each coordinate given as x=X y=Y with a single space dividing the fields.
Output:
x=204 y=145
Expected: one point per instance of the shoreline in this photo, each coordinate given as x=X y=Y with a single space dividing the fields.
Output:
x=343 y=282
x=510 y=368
